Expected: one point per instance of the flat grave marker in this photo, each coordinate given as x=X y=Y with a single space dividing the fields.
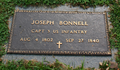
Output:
x=59 y=32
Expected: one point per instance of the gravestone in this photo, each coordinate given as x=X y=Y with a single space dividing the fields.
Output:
x=59 y=32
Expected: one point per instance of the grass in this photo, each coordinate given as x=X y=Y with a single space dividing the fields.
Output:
x=7 y=8
x=35 y=65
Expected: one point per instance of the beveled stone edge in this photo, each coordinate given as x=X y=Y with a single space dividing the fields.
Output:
x=60 y=52
x=66 y=12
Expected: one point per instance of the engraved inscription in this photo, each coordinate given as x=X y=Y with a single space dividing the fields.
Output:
x=47 y=39
x=69 y=40
x=36 y=39
x=59 y=43
x=93 y=40
x=77 y=23
x=25 y=39
x=37 y=30
x=57 y=32
x=80 y=40
x=74 y=31
x=42 y=22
